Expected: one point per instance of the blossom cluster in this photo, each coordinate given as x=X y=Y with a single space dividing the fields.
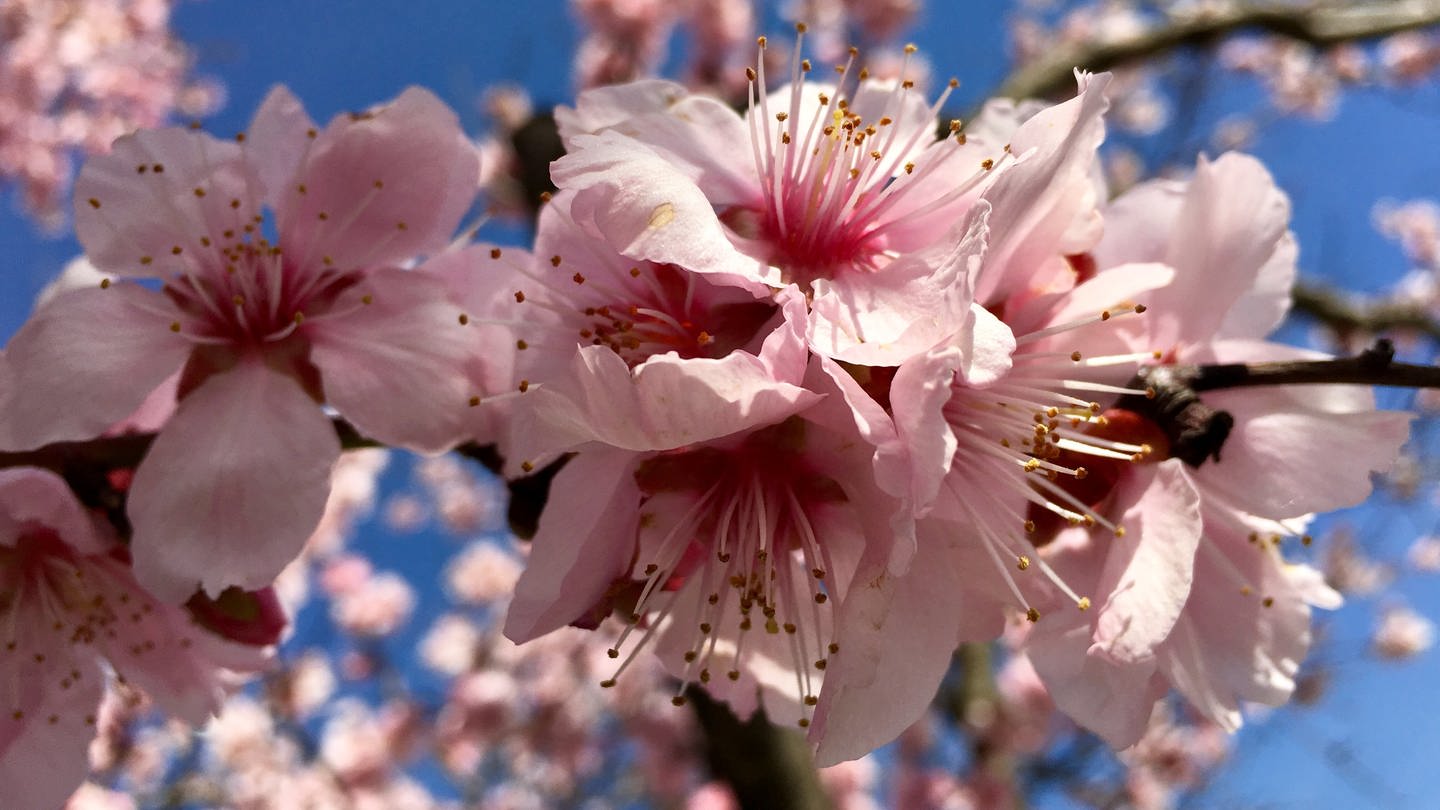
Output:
x=75 y=76
x=826 y=390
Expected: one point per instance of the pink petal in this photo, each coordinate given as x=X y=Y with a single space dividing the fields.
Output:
x=1139 y=224
x=1296 y=449
x=85 y=361
x=1148 y=571
x=396 y=367
x=896 y=637
x=391 y=183
x=647 y=208
x=233 y=485
x=46 y=761
x=1045 y=205
x=585 y=542
x=667 y=402
x=1230 y=248
x=280 y=133
x=1111 y=699
x=612 y=106
x=131 y=221
x=908 y=307
x=918 y=394
x=701 y=136
x=34 y=496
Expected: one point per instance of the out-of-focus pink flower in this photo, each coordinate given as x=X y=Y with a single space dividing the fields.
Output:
x=1409 y=56
x=712 y=796
x=1424 y=554
x=626 y=39
x=376 y=607
x=70 y=604
x=93 y=797
x=263 y=330
x=74 y=76
x=482 y=574
x=1402 y=634
x=451 y=645
x=1415 y=224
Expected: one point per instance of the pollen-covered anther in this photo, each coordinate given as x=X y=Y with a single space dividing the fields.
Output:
x=1032 y=615
x=1083 y=603
x=527 y=466
x=474 y=401
x=1023 y=562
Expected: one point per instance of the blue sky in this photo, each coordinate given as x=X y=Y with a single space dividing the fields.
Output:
x=1371 y=740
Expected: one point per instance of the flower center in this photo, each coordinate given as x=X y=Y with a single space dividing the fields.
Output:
x=728 y=543
x=837 y=181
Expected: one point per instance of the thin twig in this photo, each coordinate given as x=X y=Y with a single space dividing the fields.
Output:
x=1320 y=24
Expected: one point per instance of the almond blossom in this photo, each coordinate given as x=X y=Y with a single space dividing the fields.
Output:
x=73 y=616
x=847 y=195
x=262 y=319
x=1244 y=627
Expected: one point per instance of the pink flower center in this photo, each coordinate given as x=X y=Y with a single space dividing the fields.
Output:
x=834 y=183
x=743 y=556
x=251 y=295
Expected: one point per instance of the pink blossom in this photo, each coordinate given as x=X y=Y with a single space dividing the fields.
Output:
x=1424 y=554
x=1244 y=626
x=724 y=528
x=376 y=607
x=262 y=330
x=483 y=574
x=851 y=199
x=1402 y=634
x=71 y=604
x=76 y=76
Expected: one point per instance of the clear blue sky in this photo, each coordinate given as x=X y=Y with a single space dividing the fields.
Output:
x=1372 y=741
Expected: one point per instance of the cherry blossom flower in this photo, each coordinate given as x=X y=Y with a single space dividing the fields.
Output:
x=723 y=541
x=1236 y=627
x=849 y=197
x=72 y=613
x=262 y=326
x=1402 y=634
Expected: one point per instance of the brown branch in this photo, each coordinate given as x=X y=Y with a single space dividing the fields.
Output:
x=765 y=765
x=1318 y=23
x=1343 y=314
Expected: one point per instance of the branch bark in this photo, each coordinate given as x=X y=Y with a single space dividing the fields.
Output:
x=1342 y=314
x=1317 y=23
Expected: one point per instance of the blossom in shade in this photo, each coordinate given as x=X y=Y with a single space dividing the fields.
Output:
x=264 y=318
x=71 y=613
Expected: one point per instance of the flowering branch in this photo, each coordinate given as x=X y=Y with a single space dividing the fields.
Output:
x=1319 y=24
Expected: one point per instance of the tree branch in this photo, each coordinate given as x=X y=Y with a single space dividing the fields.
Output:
x=1342 y=314
x=765 y=765
x=1316 y=23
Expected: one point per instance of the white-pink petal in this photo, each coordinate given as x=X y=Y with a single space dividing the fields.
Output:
x=157 y=191
x=279 y=138
x=382 y=186
x=584 y=544
x=233 y=485
x=86 y=360
x=396 y=366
